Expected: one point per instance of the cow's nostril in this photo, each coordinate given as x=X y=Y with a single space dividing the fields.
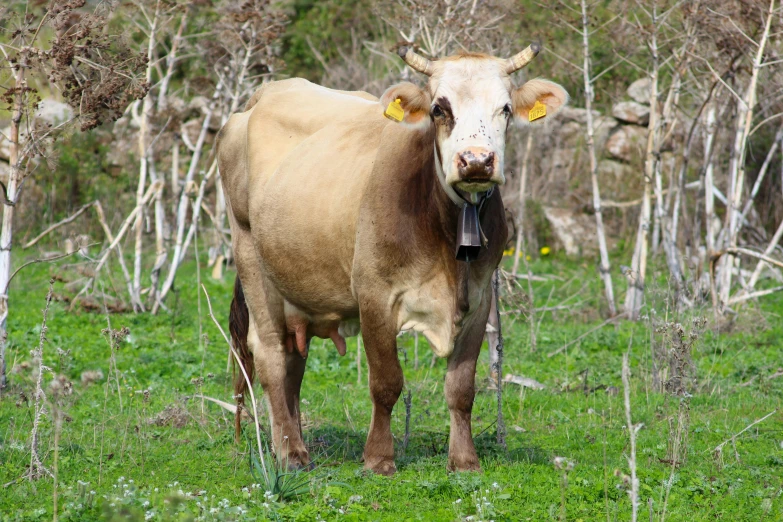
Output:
x=462 y=162
x=490 y=161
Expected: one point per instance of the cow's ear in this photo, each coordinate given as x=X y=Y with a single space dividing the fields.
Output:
x=414 y=102
x=537 y=101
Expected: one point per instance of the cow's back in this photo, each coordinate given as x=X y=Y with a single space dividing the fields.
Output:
x=277 y=118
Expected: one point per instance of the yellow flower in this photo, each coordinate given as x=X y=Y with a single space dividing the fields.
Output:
x=545 y=250
x=527 y=257
x=509 y=252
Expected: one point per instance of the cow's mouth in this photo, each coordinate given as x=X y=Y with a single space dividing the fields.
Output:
x=472 y=188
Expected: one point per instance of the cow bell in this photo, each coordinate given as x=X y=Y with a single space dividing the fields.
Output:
x=468 y=234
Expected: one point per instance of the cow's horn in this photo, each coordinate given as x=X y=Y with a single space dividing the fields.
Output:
x=520 y=60
x=417 y=62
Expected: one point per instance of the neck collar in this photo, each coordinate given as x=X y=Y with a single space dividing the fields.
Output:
x=450 y=192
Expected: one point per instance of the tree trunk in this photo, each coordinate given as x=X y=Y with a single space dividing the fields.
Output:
x=144 y=158
x=7 y=229
x=522 y=195
x=635 y=294
x=604 y=267
x=492 y=334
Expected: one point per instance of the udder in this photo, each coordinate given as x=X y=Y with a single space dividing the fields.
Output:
x=301 y=328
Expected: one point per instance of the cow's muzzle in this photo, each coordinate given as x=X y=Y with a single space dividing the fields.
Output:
x=476 y=165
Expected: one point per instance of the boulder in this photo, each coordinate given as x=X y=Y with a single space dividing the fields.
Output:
x=574 y=231
x=576 y=114
x=602 y=126
x=627 y=142
x=616 y=169
x=53 y=112
x=631 y=112
x=570 y=134
x=639 y=90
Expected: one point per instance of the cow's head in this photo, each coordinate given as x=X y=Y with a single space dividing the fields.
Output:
x=471 y=101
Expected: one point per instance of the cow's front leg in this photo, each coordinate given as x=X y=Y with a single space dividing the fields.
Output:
x=386 y=381
x=460 y=390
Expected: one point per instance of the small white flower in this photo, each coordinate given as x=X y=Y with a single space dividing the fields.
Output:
x=146 y=503
x=495 y=485
x=458 y=501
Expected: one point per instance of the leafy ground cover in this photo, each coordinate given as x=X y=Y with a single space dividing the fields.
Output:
x=136 y=442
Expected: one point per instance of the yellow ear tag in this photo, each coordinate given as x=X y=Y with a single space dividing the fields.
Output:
x=395 y=111
x=537 y=112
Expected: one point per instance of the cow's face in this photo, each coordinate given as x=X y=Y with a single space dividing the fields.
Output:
x=471 y=101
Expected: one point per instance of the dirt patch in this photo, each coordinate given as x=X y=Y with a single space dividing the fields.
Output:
x=173 y=415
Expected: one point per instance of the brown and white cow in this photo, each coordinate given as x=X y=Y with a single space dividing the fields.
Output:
x=344 y=220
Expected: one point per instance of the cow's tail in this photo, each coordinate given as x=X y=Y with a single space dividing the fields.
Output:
x=238 y=325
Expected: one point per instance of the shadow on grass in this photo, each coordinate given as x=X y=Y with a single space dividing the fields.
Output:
x=331 y=445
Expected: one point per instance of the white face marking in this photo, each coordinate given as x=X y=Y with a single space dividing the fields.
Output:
x=471 y=95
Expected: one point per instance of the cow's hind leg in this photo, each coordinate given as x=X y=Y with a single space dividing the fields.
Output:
x=386 y=381
x=460 y=390
x=280 y=373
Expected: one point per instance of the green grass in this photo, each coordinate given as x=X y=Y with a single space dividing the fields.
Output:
x=186 y=464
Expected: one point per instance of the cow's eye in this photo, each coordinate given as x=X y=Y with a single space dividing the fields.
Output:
x=507 y=111
x=436 y=111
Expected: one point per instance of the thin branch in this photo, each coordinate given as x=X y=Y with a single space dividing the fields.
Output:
x=57 y=225
x=591 y=330
x=719 y=447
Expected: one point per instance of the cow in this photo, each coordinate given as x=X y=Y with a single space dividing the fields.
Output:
x=344 y=211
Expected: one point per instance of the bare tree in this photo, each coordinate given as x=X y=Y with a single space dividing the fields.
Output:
x=96 y=74
x=745 y=107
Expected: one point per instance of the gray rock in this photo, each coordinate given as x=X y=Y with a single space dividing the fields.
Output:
x=639 y=90
x=575 y=114
x=574 y=231
x=602 y=126
x=571 y=134
x=615 y=169
x=627 y=142
x=53 y=112
x=631 y=112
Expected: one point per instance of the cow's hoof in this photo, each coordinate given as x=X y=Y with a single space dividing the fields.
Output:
x=464 y=464
x=384 y=467
x=296 y=460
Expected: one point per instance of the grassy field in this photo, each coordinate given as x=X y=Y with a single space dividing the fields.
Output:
x=134 y=444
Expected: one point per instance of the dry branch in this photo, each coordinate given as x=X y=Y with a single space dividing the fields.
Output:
x=57 y=225
x=719 y=448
